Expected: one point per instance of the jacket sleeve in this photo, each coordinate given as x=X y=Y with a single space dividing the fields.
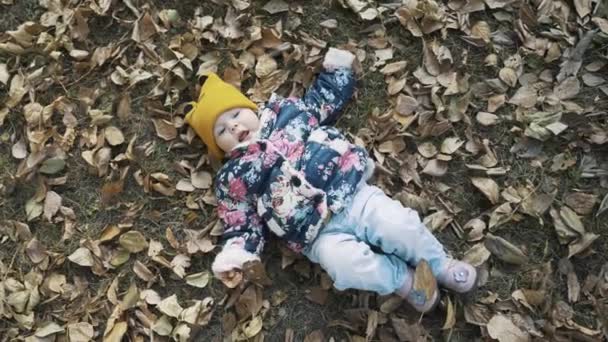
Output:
x=329 y=94
x=244 y=233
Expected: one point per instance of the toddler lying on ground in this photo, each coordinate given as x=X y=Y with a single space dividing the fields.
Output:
x=288 y=172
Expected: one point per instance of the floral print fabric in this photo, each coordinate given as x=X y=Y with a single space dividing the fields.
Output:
x=296 y=173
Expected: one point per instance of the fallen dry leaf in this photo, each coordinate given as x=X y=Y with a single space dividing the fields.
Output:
x=504 y=250
x=133 y=241
x=165 y=129
x=503 y=329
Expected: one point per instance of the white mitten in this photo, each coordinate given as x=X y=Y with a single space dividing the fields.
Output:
x=336 y=58
x=231 y=258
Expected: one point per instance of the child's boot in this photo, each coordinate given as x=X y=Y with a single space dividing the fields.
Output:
x=458 y=276
x=417 y=298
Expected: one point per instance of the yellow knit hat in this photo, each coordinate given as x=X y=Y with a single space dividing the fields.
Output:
x=216 y=97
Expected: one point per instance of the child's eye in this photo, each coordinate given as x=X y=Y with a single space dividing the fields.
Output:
x=222 y=131
x=236 y=114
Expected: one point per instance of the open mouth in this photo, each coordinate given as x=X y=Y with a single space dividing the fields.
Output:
x=243 y=135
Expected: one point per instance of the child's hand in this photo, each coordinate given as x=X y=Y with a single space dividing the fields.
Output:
x=336 y=58
x=232 y=278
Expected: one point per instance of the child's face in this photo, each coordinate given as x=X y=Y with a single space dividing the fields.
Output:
x=234 y=127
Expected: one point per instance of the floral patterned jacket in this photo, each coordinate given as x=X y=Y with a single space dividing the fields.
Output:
x=294 y=175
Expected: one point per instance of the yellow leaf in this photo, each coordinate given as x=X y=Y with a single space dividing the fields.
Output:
x=424 y=280
x=117 y=332
x=450 y=317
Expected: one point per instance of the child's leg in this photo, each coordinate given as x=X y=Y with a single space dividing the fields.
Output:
x=353 y=265
x=397 y=230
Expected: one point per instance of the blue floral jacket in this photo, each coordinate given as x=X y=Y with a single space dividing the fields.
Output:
x=296 y=173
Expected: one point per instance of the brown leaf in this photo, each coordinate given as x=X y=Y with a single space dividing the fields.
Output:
x=4 y=74
x=603 y=206
x=581 y=244
x=110 y=191
x=199 y=280
x=477 y=255
x=144 y=28
x=477 y=314
x=372 y=324
x=592 y=80
x=170 y=307
x=396 y=85
x=583 y=7
x=315 y=336
x=525 y=97
x=252 y=328
x=436 y=168
x=406 y=105
x=19 y=149
x=394 y=67
x=488 y=187
x=405 y=331
x=503 y=329
x=475 y=228
x=133 y=241
x=451 y=145
x=329 y=23
x=508 y=76
x=165 y=129
x=391 y=304
x=495 y=102
x=143 y=272
x=574 y=287
x=255 y=272
x=569 y=88
x=266 y=65
x=276 y=6
x=601 y=23
x=184 y=185
x=317 y=295
x=500 y=215
x=564 y=233
x=427 y=150
x=504 y=250
x=450 y=318
x=123 y=110
x=80 y=332
x=486 y=119
x=52 y=203
x=201 y=179
x=35 y=251
x=572 y=220
x=481 y=30
x=114 y=136
x=581 y=202
x=82 y=256
x=179 y=264
x=16 y=91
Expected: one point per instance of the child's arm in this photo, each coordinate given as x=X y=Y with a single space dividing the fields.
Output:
x=244 y=232
x=333 y=87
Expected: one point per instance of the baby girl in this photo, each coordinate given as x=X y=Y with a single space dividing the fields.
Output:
x=287 y=171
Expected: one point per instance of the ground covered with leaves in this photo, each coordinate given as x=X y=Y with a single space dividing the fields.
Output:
x=487 y=116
